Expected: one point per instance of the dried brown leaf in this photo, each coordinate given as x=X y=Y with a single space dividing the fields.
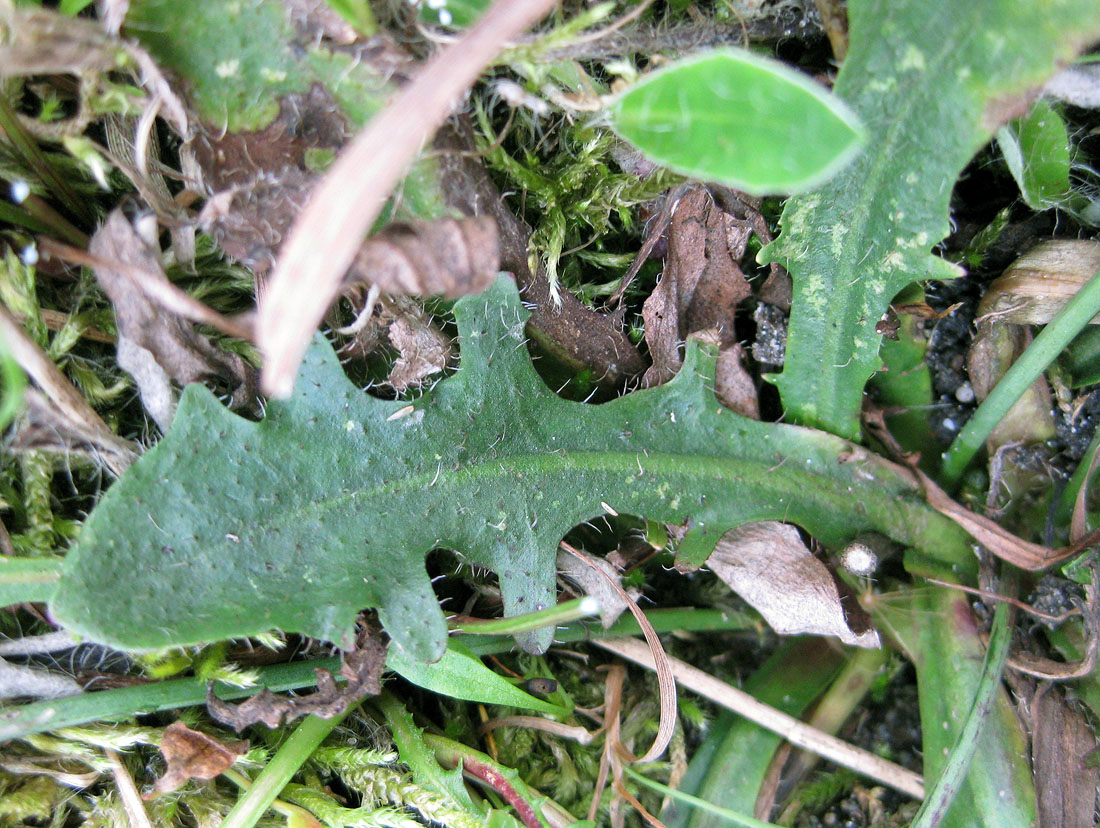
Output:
x=769 y=566
x=68 y=411
x=733 y=384
x=45 y=427
x=191 y=754
x=41 y=42
x=997 y=539
x=156 y=346
x=422 y=348
x=995 y=347
x=700 y=289
x=598 y=577
x=666 y=683
x=451 y=257
x=363 y=668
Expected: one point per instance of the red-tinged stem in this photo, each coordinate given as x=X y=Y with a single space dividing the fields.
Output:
x=480 y=766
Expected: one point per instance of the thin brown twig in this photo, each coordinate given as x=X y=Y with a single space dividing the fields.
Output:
x=128 y=792
x=351 y=195
x=580 y=735
x=1050 y=670
x=1016 y=602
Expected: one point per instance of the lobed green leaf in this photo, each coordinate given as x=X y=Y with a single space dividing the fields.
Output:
x=229 y=528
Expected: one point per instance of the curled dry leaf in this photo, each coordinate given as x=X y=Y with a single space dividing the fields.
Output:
x=362 y=668
x=1035 y=287
x=666 y=683
x=998 y=540
x=45 y=427
x=41 y=42
x=156 y=346
x=700 y=290
x=67 y=411
x=191 y=754
x=995 y=347
x=599 y=578
x=451 y=257
x=769 y=566
x=422 y=348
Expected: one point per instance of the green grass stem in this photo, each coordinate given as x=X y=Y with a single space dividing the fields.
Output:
x=563 y=613
x=696 y=802
x=38 y=717
x=1046 y=347
x=267 y=786
x=942 y=793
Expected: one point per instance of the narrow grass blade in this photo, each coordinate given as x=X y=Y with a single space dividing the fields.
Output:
x=729 y=767
x=1043 y=351
x=939 y=634
x=723 y=813
x=950 y=781
x=27 y=579
x=266 y=787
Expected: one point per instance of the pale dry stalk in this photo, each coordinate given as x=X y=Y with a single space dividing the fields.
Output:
x=329 y=232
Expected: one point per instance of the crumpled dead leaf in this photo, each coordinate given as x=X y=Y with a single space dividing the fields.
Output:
x=362 y=667
x=591 y=582
x=155 y=346
x=422 y=348
x=995 y=347
x=191 y=754
x=700 y=289
x=769 y=566
x=449 y=257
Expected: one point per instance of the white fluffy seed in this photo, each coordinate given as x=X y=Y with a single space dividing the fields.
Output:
x=858 y=559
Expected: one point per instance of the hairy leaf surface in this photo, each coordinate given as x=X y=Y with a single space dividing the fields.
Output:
x=930 y=82
x=228 y=527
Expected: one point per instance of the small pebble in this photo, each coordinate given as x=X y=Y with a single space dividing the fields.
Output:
x=965 y=393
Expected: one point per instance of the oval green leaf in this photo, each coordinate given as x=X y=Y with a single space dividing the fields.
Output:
x=739 y=119
x=461 y=675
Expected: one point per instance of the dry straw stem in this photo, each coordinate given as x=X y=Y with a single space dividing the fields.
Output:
x=350 y=197
x=127 y=790
x=791 y=729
